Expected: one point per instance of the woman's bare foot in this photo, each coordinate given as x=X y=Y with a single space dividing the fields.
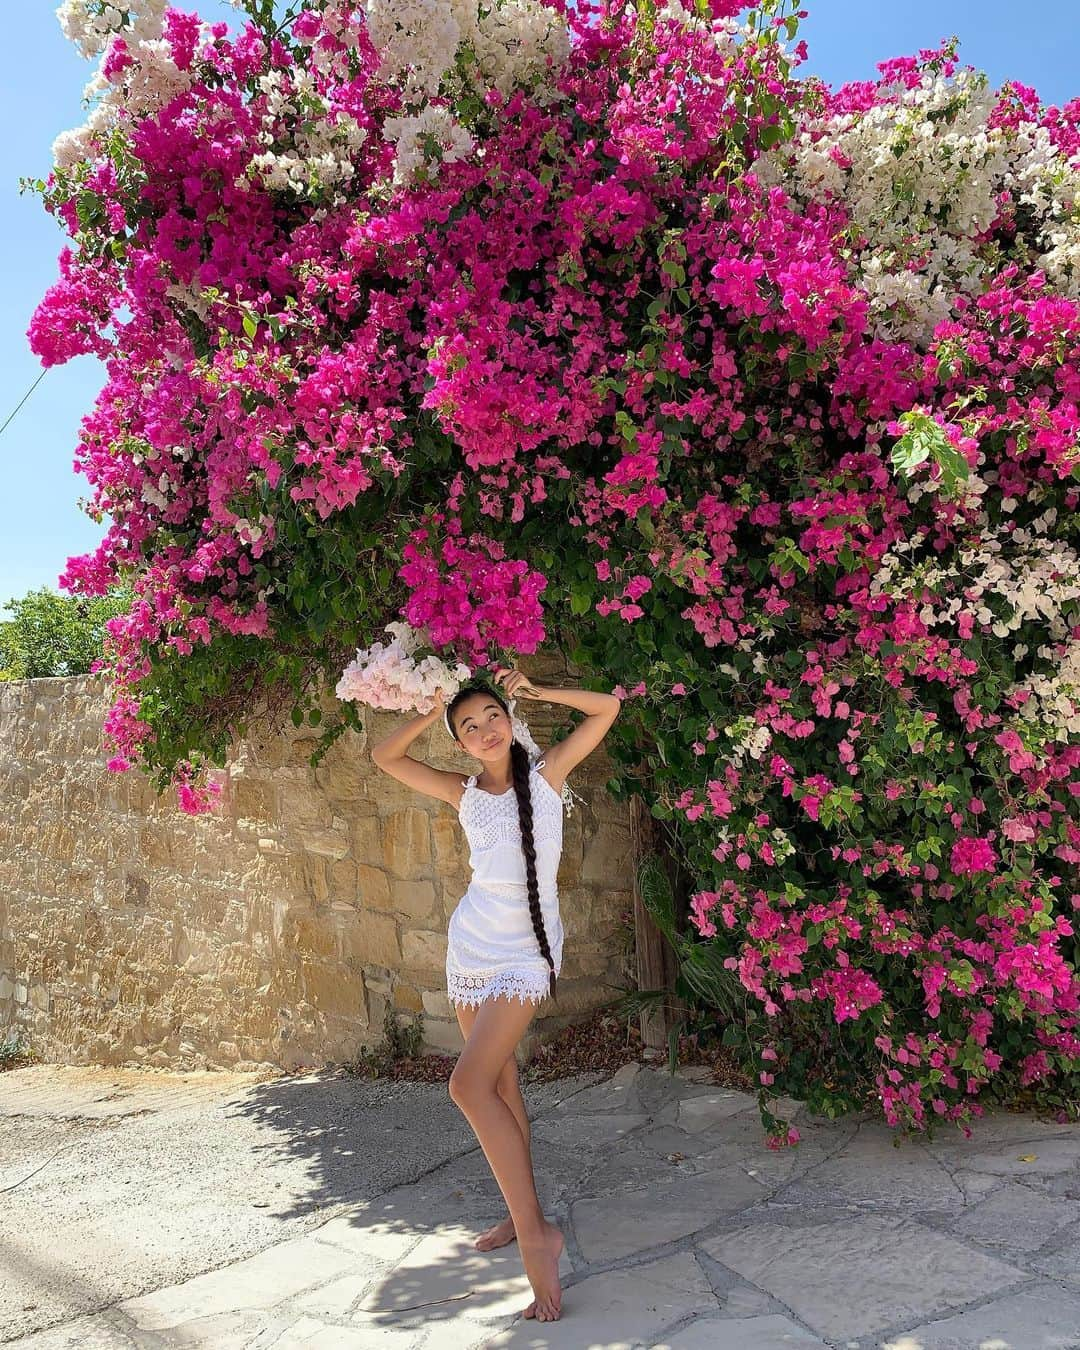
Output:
x=541 y=1259
x=497 y=1236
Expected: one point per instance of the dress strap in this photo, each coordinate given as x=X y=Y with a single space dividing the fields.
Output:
x=568 y=794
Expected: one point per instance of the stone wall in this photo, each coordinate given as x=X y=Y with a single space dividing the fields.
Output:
x=275 y=931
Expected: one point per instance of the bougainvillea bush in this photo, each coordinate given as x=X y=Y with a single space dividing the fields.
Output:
x=604 y=329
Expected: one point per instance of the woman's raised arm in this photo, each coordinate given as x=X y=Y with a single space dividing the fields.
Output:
x=390 y=756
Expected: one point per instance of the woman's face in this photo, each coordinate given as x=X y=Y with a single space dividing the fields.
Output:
x=483 y=727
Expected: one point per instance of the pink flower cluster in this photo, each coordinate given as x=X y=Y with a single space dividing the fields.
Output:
x=468 y=594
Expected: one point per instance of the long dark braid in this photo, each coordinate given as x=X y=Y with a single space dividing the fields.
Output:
x=519 y=759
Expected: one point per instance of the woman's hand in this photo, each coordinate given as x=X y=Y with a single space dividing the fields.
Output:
x=515 y=684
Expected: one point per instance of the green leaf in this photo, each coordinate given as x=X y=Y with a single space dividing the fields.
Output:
x=250 y=324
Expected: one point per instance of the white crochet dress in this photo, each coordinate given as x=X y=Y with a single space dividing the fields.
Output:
x=491 y=945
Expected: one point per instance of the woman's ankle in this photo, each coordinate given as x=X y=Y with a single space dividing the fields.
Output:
x=534 y=1231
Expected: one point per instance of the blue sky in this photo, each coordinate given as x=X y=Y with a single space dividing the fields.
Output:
x=40 y=522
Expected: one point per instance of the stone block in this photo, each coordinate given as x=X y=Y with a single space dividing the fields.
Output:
x=407 y=843
x=373 y=888
x=343 y=879
x=326 y=843
x=345 y=771
x=424 y=950
x=443 y=1036
x=450 y=845
x=435 y=1004
x=370 y=939
x=416 y=899
x=407 y=998
x=367 y=839
x=586 y=959
x=334 y=989
x=605 y=856
x=576 y=996
x=313 y=936
x=156 y=845
x=254 y=798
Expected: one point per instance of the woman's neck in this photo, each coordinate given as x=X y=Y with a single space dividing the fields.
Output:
x=500 y=775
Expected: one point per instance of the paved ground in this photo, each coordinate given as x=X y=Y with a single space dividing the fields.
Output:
x=168 y=1210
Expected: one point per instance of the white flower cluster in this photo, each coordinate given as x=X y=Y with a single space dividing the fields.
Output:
x=1051 y=187
x=417 y=41
x=388 y=675
x=1035 y=578
x=1055 y=699
x=92 y=24
x=147 y=84
x=748 y=738
x=150 y=80
x=457 y=46
x=313 y=146
x=415 y=136
x=71 y=147
x=921 y=174
x=512 y=43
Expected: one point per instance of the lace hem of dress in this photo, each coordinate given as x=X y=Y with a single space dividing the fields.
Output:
x=475 y=989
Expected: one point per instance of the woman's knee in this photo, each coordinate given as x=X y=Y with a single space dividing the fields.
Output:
x=466 y=1085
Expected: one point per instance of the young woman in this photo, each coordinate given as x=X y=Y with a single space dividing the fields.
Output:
x=505 y=936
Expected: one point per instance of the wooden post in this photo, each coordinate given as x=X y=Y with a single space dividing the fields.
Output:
x=655 y=959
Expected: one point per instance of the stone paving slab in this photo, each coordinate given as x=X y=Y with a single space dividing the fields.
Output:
x=876 y=1170
x=568 y=1130
x=683 y=1230
x=262 y=1281
x=1014 y=1219
x=1027 y=1158
x=611 y=1226
x=618 y=1310
x=1063 y=1264
x=443 y=1273
x=1035 y=1318
x=710 y=1109
x=848 y=1274
x=741 y=1333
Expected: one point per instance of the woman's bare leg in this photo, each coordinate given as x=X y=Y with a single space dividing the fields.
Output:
x=498 y=1027
x=509 y=1089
